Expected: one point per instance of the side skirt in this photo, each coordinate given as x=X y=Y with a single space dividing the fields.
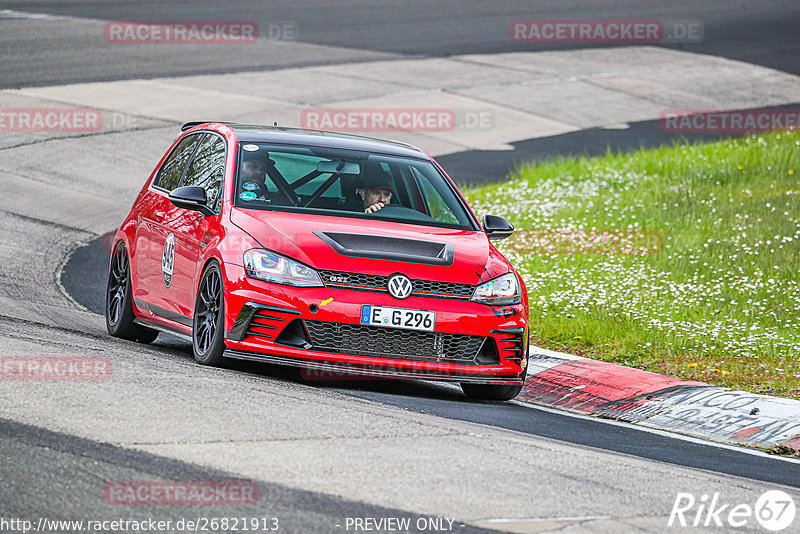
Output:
x=161 y=328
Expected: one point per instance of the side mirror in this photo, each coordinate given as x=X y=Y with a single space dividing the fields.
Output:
x=190 y=197
x=497 y=227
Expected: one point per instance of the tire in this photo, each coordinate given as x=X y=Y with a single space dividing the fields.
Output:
x=209 y=315
x=119 y=303
x=491 y=391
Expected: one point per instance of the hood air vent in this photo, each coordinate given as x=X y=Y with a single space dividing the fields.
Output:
x=380 y=247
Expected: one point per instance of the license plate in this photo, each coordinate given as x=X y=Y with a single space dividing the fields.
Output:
x=398 y=318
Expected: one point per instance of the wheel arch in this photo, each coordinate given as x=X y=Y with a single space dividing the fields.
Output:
x=214 y=257
x=127 y=236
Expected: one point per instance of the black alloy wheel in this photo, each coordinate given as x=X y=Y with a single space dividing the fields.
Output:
x=119 y=302
x=208 y=325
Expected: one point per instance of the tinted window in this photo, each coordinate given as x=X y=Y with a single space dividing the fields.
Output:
x=330 y=181
x=172 y=170
x=207 y=169
x=295 y=166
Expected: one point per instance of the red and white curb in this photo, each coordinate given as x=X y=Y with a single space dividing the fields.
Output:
x=616 y=392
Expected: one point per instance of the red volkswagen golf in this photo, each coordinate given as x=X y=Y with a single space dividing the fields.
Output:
x=331 y=252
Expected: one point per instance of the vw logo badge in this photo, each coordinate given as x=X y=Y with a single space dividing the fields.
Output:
x=400 y=286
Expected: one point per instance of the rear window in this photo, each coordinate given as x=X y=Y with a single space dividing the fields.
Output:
x=343 y=183
x=170 y=174
x=207 y=169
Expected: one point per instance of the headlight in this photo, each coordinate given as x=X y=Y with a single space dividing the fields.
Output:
x=501 y=291
x=271 y=267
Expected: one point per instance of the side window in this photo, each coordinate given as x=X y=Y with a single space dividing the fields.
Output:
x=172 y=170
x=207 y=169
x=437 y=207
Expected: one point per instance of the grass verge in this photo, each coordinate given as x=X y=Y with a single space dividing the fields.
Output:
x=681 y=260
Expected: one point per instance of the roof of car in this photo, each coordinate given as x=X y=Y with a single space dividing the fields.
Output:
x=253 y=133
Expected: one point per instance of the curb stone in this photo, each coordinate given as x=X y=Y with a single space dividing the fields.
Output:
x=613 y=391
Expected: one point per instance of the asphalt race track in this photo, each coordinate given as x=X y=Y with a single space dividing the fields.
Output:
x=763 y=33
x=83 y=274
x=319 y=454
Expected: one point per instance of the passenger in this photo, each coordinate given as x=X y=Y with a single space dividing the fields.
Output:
x=253 y=175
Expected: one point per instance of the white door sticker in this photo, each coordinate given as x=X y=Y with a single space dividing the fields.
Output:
x=168 y=259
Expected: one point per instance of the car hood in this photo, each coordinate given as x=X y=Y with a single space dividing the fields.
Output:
x=341 y=244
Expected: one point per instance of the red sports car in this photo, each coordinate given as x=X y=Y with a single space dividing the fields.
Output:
x=335 y=253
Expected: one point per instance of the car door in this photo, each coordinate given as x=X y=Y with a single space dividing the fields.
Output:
x=191 y=229
x=153 y=242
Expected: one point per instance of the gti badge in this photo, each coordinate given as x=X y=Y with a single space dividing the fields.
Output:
x=400 y=286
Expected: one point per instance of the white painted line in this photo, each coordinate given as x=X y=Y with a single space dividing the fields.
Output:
x=60 y=269
x=10 y=14
x=542 y=519
x=554 y=354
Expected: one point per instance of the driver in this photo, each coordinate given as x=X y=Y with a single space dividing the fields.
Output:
x=377 y=191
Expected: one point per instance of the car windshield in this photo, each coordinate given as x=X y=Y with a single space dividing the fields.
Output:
x=345 y=183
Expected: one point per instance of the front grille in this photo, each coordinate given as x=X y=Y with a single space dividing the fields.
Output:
x=395 y=343
x=372 y=282
x=354 y=280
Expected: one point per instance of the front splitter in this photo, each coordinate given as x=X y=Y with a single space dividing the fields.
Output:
x=330 y=370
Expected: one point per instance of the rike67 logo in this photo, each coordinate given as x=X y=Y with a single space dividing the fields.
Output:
x=774 y=510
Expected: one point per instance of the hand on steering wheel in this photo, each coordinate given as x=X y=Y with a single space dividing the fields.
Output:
x=375 y=207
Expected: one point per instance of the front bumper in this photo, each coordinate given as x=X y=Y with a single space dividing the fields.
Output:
x=319 y=330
